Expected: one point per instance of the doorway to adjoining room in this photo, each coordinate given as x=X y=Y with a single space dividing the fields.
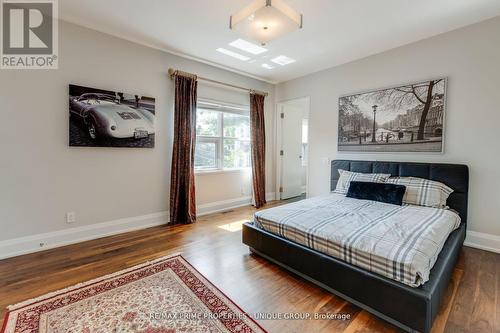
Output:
x=292 y=148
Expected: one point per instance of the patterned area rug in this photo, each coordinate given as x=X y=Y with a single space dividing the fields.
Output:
x=163 y=296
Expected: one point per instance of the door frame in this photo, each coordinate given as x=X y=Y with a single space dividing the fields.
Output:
x=279 y=139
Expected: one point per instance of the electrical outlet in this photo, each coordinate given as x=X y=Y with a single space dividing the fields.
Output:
x=70 y=217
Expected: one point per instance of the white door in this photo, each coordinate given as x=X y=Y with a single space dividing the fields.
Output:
x=291 y=150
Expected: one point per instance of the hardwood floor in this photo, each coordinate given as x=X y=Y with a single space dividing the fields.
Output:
x=213 y=246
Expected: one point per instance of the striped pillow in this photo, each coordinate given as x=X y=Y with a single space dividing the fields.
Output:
x=423 y=192
x=346 y=177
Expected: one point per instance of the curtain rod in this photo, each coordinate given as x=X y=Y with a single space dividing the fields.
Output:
x=173 y=73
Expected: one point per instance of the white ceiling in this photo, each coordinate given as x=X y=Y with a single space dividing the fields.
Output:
x=335 y=31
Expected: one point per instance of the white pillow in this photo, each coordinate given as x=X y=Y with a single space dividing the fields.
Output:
x=346 y=177
x=423 y=192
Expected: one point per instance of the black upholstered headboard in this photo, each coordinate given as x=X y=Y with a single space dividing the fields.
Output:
x=455 y=176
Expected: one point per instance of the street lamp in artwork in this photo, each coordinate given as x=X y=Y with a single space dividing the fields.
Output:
x=374 y=124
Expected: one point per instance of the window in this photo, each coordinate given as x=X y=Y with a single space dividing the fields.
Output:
x=222 y=137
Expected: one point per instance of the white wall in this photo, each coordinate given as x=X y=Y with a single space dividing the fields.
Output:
x=470 y=58
x=41 y=178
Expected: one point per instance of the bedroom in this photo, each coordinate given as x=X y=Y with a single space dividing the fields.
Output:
x=81 y=205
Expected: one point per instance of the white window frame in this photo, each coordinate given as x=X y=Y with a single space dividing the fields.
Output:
x=220 y=108
x=210 y=139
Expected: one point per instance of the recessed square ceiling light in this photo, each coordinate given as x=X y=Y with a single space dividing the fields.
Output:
x=233 y=54
x=247 y=46
x=267 y=66
x=283 y=60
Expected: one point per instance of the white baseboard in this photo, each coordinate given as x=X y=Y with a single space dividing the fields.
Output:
x=40 y=242
x=221 y=206
x=49 y=240
x=34 y=243
x=483 y=241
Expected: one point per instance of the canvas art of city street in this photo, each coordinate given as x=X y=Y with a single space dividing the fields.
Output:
x=407 y=118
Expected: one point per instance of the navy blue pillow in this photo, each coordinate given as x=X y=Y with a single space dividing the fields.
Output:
x=383 y=192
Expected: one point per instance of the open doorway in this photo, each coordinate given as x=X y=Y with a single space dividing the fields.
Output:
x=292 y=128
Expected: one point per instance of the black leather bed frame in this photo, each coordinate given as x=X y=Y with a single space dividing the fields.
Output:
x=412 y=309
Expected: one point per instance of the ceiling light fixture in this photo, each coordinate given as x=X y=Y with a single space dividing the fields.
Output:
x=283 y=60
x=247 y=46
x=233 y=54
x=265 y=20
x=267 y=66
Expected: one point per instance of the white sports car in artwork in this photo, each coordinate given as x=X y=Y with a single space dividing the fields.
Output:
x=105 y=117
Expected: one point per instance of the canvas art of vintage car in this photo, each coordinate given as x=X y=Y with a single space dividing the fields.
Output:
x=111 y=119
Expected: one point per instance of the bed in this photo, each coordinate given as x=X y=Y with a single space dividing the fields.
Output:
x=407 y=293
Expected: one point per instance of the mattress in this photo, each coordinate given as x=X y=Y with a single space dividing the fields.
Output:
x=398 y=242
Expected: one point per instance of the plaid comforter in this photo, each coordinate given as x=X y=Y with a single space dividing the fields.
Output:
x=398 y=242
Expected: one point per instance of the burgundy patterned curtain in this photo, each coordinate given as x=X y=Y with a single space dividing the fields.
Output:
x=182 y=191
x=258 y=138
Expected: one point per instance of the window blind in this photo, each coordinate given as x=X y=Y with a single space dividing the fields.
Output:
x=208 y=104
